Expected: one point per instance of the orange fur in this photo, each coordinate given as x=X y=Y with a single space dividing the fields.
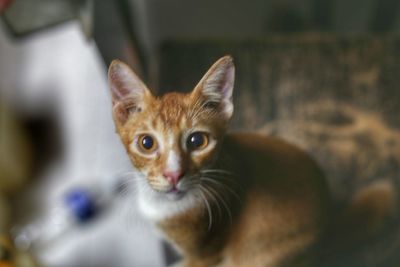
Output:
x=248 y=200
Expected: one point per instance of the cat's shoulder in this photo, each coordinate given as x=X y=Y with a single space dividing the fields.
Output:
x=259 y=142
x=269 y=152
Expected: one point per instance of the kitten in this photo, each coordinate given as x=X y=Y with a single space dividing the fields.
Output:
x=222 y=199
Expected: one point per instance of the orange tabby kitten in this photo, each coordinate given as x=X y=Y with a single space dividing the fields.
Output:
x=222 y=199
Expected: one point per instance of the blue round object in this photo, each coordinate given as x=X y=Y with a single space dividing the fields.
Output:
x=81 y=204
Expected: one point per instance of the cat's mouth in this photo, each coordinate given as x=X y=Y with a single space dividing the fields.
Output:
x=175 y=193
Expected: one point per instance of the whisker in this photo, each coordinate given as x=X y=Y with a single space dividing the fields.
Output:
x=126 y=187
x=124 y=192
x=206 y=190
x=223 y=186
x=219 y=171
x=221 y=174
x=190 y=181
x=208 y=209
x=128 y=173
x=219 y=196
x=225 y=180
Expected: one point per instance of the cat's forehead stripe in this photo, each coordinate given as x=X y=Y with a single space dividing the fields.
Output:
x=155 y=123
x=172 y=108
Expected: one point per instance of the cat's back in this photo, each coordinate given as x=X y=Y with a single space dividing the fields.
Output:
x=285 y=200
x=270 y=154
x=275 y=168
x=265 y=160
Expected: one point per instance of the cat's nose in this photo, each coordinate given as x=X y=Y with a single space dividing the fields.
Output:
x=173 y=176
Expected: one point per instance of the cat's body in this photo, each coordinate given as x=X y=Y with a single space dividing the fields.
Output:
x=280 y=215
x=222 y=199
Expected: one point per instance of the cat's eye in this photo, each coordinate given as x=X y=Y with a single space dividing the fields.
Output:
x=147 y=143
x=196 y=141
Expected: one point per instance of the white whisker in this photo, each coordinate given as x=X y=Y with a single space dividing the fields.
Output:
x=218 y=171
x=220 y=197
x=222 y=186
x=213 y=197
x=208 y=209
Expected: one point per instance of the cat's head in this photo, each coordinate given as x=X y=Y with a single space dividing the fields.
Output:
x=171 y=139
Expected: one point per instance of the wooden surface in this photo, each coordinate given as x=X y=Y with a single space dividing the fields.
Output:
x=337 y=97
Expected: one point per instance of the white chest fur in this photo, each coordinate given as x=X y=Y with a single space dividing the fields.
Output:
x=157 y=206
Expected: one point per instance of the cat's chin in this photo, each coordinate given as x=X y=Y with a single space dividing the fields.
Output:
x=158 y=205
x=175 y=194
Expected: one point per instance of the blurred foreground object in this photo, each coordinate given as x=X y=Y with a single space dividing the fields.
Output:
x=80 y=206
x=60 y=99
x=11 y=257
x=15 y=160
x=4 y=4
x=23 y=17
x=15 y=169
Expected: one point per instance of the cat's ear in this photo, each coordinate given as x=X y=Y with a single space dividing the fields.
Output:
x=216 y=86
x=129 y=93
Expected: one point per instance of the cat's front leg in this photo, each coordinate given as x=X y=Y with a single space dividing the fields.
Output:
x=186 y=263
x=189 y=262
x=177 y=264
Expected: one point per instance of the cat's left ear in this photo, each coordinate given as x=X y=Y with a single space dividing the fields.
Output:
x=216 y=86
x=129 y=93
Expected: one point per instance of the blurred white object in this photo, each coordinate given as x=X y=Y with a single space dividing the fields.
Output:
x=58 y=71
x=80 y=206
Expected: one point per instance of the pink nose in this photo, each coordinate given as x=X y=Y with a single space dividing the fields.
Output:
x=173 y=176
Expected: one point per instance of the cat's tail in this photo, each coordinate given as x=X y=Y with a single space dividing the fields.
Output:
x=369 y=221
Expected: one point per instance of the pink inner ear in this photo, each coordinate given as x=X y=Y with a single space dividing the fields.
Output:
x=219 y=84
x=227 y=86
x=123 y=82
x=223 y=80
x=118 y=88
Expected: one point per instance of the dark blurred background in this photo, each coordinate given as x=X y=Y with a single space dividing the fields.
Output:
x=323 y=74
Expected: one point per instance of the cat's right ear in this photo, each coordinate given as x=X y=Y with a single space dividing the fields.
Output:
x=129 y=93
x=216 y=86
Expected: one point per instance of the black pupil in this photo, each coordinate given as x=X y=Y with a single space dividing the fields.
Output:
x=195 y=140
x=147 y=142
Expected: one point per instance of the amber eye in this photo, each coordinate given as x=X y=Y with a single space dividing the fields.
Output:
x=147 y=143
x=197 y=140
